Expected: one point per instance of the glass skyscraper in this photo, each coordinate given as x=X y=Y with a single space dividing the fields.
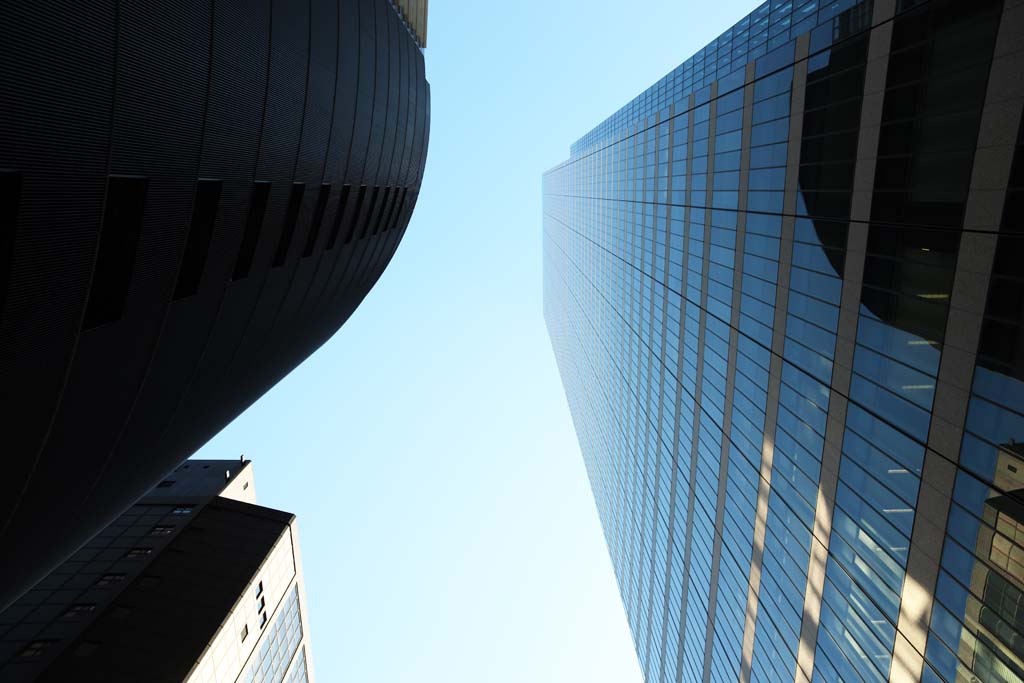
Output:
x=785 y=289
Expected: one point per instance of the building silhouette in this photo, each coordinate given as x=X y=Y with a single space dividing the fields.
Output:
x=195 y=582
x=193 y=197
x=784 y=289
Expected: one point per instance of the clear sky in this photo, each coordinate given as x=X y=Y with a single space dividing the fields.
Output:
x=447 y=526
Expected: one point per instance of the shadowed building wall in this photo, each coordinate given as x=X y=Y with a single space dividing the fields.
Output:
x=195 y=583
x=194 y=196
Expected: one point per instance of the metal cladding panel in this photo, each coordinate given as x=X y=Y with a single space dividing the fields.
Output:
x=99 y=409
x=61 y=155
x=318 y=116
x=366 y=39
x=380 y=12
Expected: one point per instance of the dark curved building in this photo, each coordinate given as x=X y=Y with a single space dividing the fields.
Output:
x=194 y=196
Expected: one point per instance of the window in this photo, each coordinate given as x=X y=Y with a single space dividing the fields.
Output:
x=34 y=649
x=253 y=226
x=161 y=530
x=78 y=610
x=399 y=208
x=360 y=196
x=115 y=258
x=291 y=217
x=110 y=579
x=370 y=212
x=135 y=553
x=165 y=483
x=259 y=589
x=200 y=231
x=318 y=218
x=261 y=604
x=182 y=510
x=386 y=205
x=346 y=190
x=245 y=632
x=388 y=216
x=263 y=619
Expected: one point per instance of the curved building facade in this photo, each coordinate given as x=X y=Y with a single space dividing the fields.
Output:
x=194 y=196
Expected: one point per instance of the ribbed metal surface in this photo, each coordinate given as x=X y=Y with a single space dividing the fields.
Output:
x=324 y=92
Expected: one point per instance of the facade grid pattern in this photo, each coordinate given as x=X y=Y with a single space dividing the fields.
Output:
x=755 y=280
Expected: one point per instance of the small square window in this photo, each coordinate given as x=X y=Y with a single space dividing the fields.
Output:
x=166 y=483
x=245 y=632
x=161 y=530
x=34 y=649
x=139 y=552
x=259 y=589
x=263 y=619
x=110 y=579
x=183 y=510
x=261 y=604
x=77 y=611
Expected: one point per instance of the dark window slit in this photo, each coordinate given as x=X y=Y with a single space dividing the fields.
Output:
x=253 y=227
x=200 y=232
x=115 y=258
x=291 y=217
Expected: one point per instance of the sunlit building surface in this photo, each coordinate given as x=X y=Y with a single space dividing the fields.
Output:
x=784 y=287
x=195 y=583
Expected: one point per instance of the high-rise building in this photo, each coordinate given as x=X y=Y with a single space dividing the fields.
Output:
x=194 y=583
x=194 y=196
x=785 y=289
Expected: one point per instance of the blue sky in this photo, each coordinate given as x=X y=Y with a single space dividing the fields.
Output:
x=448 y=530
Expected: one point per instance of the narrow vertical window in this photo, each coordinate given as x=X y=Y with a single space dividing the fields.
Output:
x=115 y=259
x=10 y=198
x=385 y=210
x=351 y=232
x=318 y=218
x=386 y=205
x=346 y=190
x=385 y=214
x=200 y=231
x=370 y=212
x=392 y=219
x=291 y=217
x=253 y=227
x=398 y=210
